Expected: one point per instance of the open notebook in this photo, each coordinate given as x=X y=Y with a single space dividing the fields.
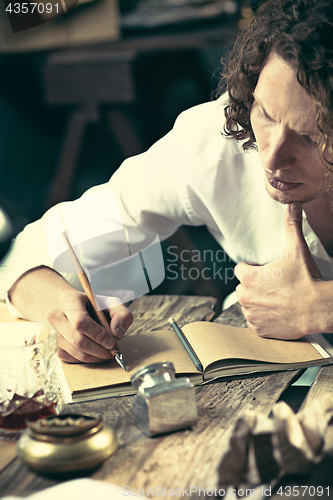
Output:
x=224 y=351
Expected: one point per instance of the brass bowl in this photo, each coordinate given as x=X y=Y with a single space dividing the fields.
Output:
x=66 y=443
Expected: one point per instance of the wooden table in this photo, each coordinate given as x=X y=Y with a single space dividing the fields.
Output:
x=190 y=457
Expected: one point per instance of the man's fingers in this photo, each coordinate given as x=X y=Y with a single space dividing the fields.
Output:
x=293 y=224
x=85 y=329
x=68 y=353
x=75 y=309
x=245 y=271
x=241 y=271
x=121 y=320
x=80 y=336
x=295 y=239
x=65 y=356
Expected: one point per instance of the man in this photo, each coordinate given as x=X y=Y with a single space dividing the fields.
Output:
x=280 y=98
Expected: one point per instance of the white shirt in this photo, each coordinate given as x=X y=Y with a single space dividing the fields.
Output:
x=193 y=176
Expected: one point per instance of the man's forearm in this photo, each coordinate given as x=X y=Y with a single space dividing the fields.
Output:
x=37 y=292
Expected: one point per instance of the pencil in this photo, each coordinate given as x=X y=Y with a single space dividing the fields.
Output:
x=116 y=350
x=186 y=344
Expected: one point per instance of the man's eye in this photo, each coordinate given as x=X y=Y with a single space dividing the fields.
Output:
x=264 y=116
x=261 y=115
x=310 y=140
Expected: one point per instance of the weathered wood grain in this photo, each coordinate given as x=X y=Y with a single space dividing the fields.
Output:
x=323 y=383
x=232 y=316
x=182 y=459
x=190 y=457
x=152 y=312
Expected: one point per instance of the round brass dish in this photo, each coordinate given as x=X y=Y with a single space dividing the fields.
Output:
x=66 y=443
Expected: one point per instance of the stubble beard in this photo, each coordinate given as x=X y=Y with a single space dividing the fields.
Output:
x=276 y=197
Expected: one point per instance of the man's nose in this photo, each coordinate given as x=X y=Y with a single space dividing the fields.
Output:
x=280 y=151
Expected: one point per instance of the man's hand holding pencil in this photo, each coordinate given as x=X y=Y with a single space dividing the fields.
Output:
x=81 y=338
x=99 y=314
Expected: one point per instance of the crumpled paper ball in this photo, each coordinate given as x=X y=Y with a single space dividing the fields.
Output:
x=262 y=449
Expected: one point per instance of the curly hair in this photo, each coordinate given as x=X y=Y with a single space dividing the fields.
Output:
x=301 y=33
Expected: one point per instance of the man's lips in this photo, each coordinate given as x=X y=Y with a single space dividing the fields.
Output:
x=280 y=184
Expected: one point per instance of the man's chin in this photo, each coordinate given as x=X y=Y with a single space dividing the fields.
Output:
x=287 y=197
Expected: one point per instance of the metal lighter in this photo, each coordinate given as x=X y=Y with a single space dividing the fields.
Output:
x=163 y=403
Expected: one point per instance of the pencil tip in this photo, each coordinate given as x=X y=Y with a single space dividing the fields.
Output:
x=120 y=360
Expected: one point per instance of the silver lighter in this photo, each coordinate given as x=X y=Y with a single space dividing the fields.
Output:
x=163 y=403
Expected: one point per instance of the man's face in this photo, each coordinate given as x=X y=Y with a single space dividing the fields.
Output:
x=283 y=119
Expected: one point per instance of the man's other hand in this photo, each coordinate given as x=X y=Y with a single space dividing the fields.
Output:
x=281 y=299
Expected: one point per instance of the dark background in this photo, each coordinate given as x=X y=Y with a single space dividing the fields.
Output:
x=32 y=132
